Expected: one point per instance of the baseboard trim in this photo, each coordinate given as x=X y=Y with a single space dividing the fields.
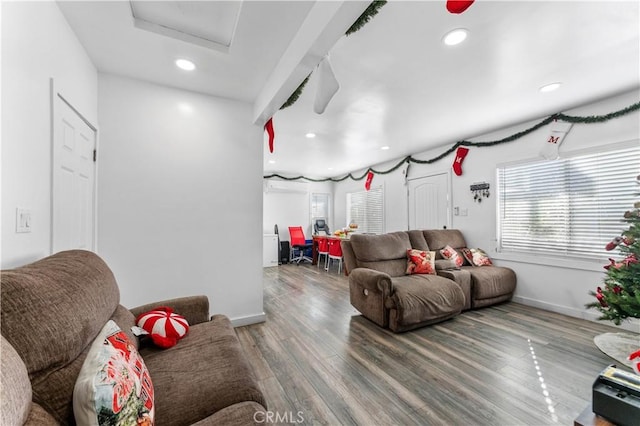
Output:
x=630 y=325
x=248 y=320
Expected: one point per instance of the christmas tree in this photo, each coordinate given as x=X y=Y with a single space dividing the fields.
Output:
x=619 y=297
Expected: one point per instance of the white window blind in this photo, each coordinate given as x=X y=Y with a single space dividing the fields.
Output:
x=571 y=207
x=365 y=208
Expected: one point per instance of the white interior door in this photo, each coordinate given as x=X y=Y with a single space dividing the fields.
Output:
x=73 y=197
x=429 y=205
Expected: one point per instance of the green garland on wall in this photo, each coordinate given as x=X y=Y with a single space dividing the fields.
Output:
x=409 y=159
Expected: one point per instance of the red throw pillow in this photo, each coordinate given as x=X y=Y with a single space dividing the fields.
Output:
x=450 y=253
x=164 y=326
x=421 y=262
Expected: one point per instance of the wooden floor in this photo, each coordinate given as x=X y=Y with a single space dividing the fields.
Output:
x=319 y=362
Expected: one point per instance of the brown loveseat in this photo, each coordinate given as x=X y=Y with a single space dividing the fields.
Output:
x=380 y=289
x=485 y=285
x=53 y=309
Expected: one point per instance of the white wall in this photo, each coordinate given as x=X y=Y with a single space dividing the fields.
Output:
x=37 y=44
x=180 y=193
x=293 y=209
x=546 y=283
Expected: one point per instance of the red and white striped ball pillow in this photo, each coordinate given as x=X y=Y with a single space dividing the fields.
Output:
x=164 y=326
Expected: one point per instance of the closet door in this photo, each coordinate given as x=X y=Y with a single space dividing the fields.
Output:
x=429 y=202
x=73 y=192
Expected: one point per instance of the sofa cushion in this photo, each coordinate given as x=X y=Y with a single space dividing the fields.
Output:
x=437 y=239
x=208 y=364
x=421 y=262
x=242 y=414
x=420 y=299
x=491 y=281
x=58 y=305
x=113 y=386
x=417 y=240
x=41 y=417
x=15 y=387
x=385 y=253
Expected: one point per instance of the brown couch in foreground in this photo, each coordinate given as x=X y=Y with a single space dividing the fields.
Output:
x=53 y=309
x=380 y=289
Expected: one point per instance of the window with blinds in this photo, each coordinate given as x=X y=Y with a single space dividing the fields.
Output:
x=365 y=208
x=319 y=207
x=571 y=207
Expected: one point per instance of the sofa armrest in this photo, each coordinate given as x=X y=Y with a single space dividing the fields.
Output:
x=369 y=292
x=194 y=308
x=372 y=280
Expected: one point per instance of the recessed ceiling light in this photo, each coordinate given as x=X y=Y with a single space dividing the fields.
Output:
x=185 y=64
x=384 y=147
x=272 y=161
x=310 y=135
x=454 y=37
x=550 y=87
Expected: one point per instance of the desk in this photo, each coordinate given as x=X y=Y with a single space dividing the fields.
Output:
x=314 y=249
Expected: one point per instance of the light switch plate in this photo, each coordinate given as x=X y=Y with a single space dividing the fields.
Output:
x=23 y=220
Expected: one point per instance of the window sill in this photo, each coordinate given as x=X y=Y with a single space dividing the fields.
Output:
x=566 y=262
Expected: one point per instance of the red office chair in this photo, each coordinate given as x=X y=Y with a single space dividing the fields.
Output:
x=299 y=244
x=323 y=250
x=335 y=253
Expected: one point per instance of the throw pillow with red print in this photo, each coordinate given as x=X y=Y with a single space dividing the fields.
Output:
x=420 y=262
x=450 y=253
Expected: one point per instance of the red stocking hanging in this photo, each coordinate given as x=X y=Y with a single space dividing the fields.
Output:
x=268 y=126
x=367 y=184
x=458 y=6
x=457 y=163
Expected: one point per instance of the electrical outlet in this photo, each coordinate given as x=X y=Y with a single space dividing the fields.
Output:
x=23 y=220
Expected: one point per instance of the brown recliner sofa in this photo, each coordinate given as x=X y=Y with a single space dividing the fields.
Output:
x=51 y=311
x=380 y=289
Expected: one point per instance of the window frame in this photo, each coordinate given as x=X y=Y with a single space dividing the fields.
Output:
x=582 y=261
x=364 y=228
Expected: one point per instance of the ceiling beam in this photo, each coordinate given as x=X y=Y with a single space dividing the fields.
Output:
x=325 y=24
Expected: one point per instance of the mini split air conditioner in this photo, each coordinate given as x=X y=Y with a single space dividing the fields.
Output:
x=286 y=186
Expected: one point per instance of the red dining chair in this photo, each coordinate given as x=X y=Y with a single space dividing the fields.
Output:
x=299 y=244
x=335 y=253
x=323 y=250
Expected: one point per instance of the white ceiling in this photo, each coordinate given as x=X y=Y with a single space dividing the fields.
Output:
x=400 y=86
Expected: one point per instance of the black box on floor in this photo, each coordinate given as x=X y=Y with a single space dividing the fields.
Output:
x=285 y=252
x=616 y=396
